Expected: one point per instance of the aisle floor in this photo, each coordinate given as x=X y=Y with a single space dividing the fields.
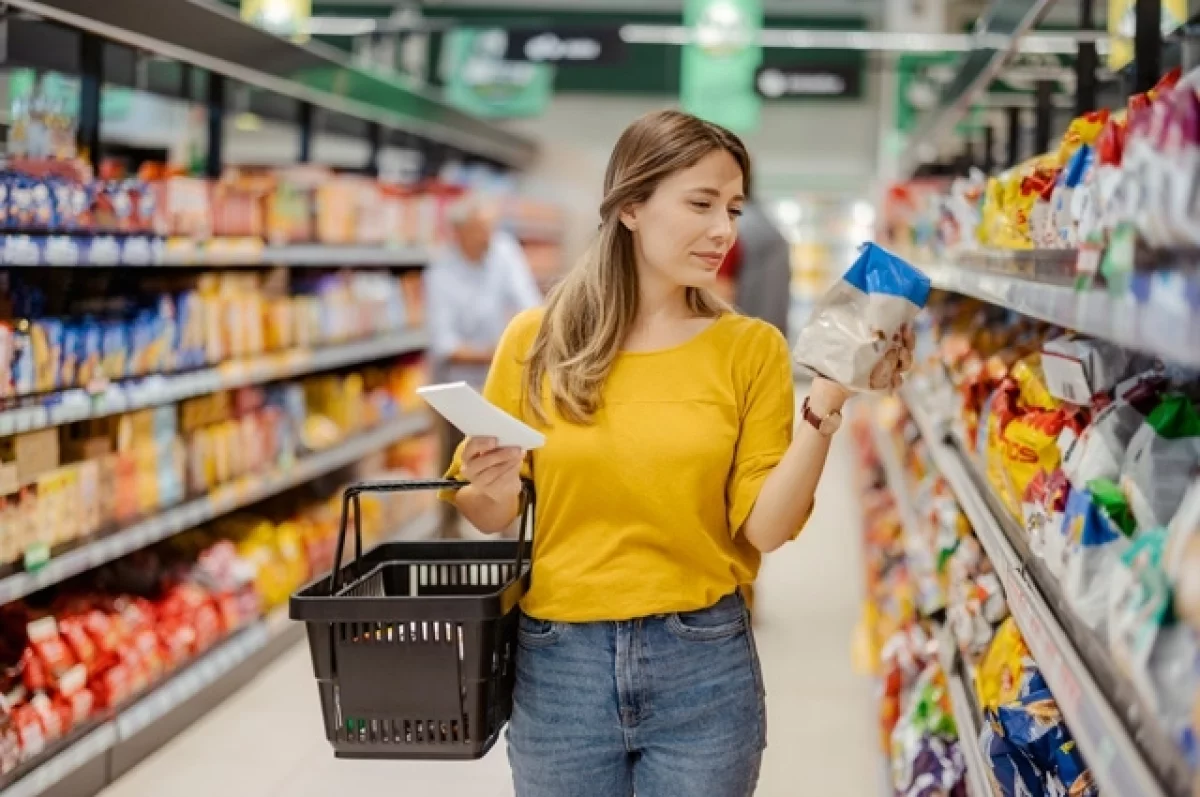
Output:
x=267 y=741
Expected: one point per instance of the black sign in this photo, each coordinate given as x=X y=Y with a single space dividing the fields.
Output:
x=783 y=82
x=566 y=45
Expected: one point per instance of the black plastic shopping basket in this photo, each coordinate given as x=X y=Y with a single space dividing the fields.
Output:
x=414 y=643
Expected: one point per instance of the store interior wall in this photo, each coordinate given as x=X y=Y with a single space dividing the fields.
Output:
x=823 y=146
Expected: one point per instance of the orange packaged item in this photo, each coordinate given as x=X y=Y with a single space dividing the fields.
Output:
x=337 y=202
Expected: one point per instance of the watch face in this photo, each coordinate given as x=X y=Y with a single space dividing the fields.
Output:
x=831 y=423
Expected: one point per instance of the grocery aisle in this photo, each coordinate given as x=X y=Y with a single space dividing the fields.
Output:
x=267 y=741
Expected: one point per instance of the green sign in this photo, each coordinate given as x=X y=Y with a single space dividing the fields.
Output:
x=719 y=63
x=480 y=81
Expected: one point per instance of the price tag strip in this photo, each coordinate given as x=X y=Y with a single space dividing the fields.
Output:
x=1114 y=759
x=193 y=513
x=1091 y=311
x=171 y=388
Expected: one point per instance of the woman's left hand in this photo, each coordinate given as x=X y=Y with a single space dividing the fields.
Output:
x=826 y=396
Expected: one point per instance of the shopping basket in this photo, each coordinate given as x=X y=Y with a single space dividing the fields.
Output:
x=414 y=643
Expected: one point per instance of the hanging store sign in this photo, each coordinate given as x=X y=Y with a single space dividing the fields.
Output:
x=776 y=83
x=566 y=45
x=717 y=81
x=480 y=80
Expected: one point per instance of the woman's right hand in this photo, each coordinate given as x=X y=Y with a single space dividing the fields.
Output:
x=493 y=471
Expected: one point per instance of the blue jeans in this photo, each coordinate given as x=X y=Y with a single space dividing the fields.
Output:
x=668 y=706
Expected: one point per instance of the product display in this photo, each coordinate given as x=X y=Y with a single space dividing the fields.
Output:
x=942 y=590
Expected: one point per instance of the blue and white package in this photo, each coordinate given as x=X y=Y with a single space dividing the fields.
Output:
x=859 y=333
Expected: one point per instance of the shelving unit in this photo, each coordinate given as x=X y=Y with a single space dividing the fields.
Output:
x=107 y=748
x=225 y=499
x=1164 y=329
x=71 y=406
x=966 y=714
x=1129 y=755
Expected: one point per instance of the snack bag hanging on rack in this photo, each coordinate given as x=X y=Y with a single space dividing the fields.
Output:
x=859 y=334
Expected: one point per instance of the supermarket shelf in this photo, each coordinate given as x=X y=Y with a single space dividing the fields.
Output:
x=70 y=406
x=1119 y=766
x=1166 y=332
x=141 y=251
x=118 y=743
x=224 y=499
x=211 y=36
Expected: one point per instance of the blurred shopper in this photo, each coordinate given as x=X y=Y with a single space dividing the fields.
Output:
x=669 y=468
x=762 y=271
x=473 y=288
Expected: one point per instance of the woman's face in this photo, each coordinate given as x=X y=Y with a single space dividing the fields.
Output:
x=687 y=226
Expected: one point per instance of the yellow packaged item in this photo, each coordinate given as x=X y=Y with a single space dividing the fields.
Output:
x=1082 y=130
x=1032 y=381
x=999 y=677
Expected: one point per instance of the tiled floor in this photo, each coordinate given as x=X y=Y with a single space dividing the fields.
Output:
x=267 y=741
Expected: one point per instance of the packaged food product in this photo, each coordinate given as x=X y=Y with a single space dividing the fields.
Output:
x=1099 y=450
x=1161 y=461
x=1033 y=725
x=1043 y=508
x=1094 y=545
x=1076 y=369
x=859 y=332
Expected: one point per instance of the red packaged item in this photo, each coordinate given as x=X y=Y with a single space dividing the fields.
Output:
x=33 y=672
x=208 y=627
x=55 y=724
x=112 y=687
x=49 y=647
x=178 y=639
x=81 y=704
x=30 y=732
x=73 y=681
x=81 y=645
x=10 y=745
x=150 y=651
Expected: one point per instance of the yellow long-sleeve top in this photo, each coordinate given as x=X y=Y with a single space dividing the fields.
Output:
x=640 y=512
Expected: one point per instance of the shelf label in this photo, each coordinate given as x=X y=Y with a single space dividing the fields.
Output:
x=36 y=556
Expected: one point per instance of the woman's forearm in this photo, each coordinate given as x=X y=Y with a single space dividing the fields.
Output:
x=787 y=494
x=487 y=514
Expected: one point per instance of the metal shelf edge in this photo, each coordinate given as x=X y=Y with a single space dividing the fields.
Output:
x=1092 y=312
x=225 y=499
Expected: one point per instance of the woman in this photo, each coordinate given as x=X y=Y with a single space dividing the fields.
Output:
x=669 y=468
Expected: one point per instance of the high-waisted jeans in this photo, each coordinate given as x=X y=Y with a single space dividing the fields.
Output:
x=666 y=706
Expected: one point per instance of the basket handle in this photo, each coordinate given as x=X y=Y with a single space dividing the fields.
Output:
x=350 y=502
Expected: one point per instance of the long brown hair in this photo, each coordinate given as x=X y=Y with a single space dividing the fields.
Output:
x=590 y=313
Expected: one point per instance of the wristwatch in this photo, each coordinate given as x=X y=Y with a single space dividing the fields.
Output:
x=827 y=426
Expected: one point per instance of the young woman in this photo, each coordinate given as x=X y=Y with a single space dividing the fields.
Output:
x=669 y=469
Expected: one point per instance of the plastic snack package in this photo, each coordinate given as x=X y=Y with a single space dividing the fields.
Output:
x=1043 y=508
x=859 y=334
x=1012 y=773
x=1062 y=204
x=1083 y=130
x=1182 y=558
x=1034 y=726
x=1076 y=369
x=1093 y=548
x=1163 y=456
x=1007 y=670
x=1098 y=452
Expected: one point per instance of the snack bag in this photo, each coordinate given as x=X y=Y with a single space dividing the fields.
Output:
x=1034 y=725
x=1013 y=774
x=1162 y=461
x=1094 y=545
x=859 y=334
x=1076 y=369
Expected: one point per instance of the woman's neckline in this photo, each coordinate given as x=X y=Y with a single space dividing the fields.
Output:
x=678 y=346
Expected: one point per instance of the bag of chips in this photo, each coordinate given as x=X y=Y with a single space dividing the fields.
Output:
x=859 y=333
x=1162 y=460
x=1094 y=546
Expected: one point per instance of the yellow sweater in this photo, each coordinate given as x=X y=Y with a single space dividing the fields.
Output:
x=640 y=512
